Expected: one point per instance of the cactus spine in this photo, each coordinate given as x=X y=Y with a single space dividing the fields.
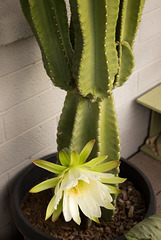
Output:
x=88 y=60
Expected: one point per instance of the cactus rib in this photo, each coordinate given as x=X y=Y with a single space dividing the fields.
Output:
x=85 y=125
x=76 y=38
x=111 y=15
x=108 y=130
x=66 y=122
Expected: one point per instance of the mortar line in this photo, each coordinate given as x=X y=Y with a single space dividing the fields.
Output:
x=20 y=69
x=30 y=129
x=26 y=100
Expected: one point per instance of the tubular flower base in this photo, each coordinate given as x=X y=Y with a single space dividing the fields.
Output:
x=79 y=184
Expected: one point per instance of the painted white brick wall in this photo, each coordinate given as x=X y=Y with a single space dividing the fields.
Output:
x=13 y=24
x=29 y=103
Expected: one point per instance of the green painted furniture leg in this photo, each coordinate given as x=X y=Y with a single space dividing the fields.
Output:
x=152 y=100
x=155 y=124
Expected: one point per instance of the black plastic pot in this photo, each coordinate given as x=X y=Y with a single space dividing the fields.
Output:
x=32 y=175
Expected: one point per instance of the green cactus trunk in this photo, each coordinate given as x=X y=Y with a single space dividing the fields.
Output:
x=88 y=59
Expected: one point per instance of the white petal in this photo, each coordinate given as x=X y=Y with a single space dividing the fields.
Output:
x=84 y=207
x=74 y=210
x=88 y=203
x=66 y=212
x=58 y=195
x=90 y=174
x=103 y=191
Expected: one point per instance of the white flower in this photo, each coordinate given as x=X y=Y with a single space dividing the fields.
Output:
x=89 y=195
x=79 y=185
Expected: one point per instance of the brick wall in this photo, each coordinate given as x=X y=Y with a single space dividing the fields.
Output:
x=30 y=105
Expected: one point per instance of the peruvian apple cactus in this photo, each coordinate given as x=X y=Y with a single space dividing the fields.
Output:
x=88 y=57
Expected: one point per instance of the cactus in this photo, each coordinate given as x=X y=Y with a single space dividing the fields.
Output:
x=88 y=59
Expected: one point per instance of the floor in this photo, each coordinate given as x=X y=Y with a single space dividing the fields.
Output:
x=152 y=169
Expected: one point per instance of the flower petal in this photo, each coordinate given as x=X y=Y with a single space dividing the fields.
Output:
x=50 y=208
x=64 y=158
x=57 y=212
x=95 y=161
x=109 y=206
x=113 y=180
x=74 y=158
x=58 y=194
x=113 y=190
x=66 y=212
x=51 y=167
x=101 y=193
x=50 y=183
x=74 y=210
x=86 y=151
x=106 y=166
x=89 y=206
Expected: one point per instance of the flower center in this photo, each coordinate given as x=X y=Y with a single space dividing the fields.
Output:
x=80 y=188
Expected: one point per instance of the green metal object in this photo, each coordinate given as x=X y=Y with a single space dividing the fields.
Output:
x=88 y=58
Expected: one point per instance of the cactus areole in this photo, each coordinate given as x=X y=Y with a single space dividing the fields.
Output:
x=88 y=54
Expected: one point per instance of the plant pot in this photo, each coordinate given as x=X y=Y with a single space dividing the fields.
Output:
x=32 y=175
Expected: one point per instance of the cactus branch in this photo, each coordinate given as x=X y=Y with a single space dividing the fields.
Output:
x=48 y=20
x=85 y=125
x=109 y=141
x=127 y=25
x=66 y=122
x=99 y=50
